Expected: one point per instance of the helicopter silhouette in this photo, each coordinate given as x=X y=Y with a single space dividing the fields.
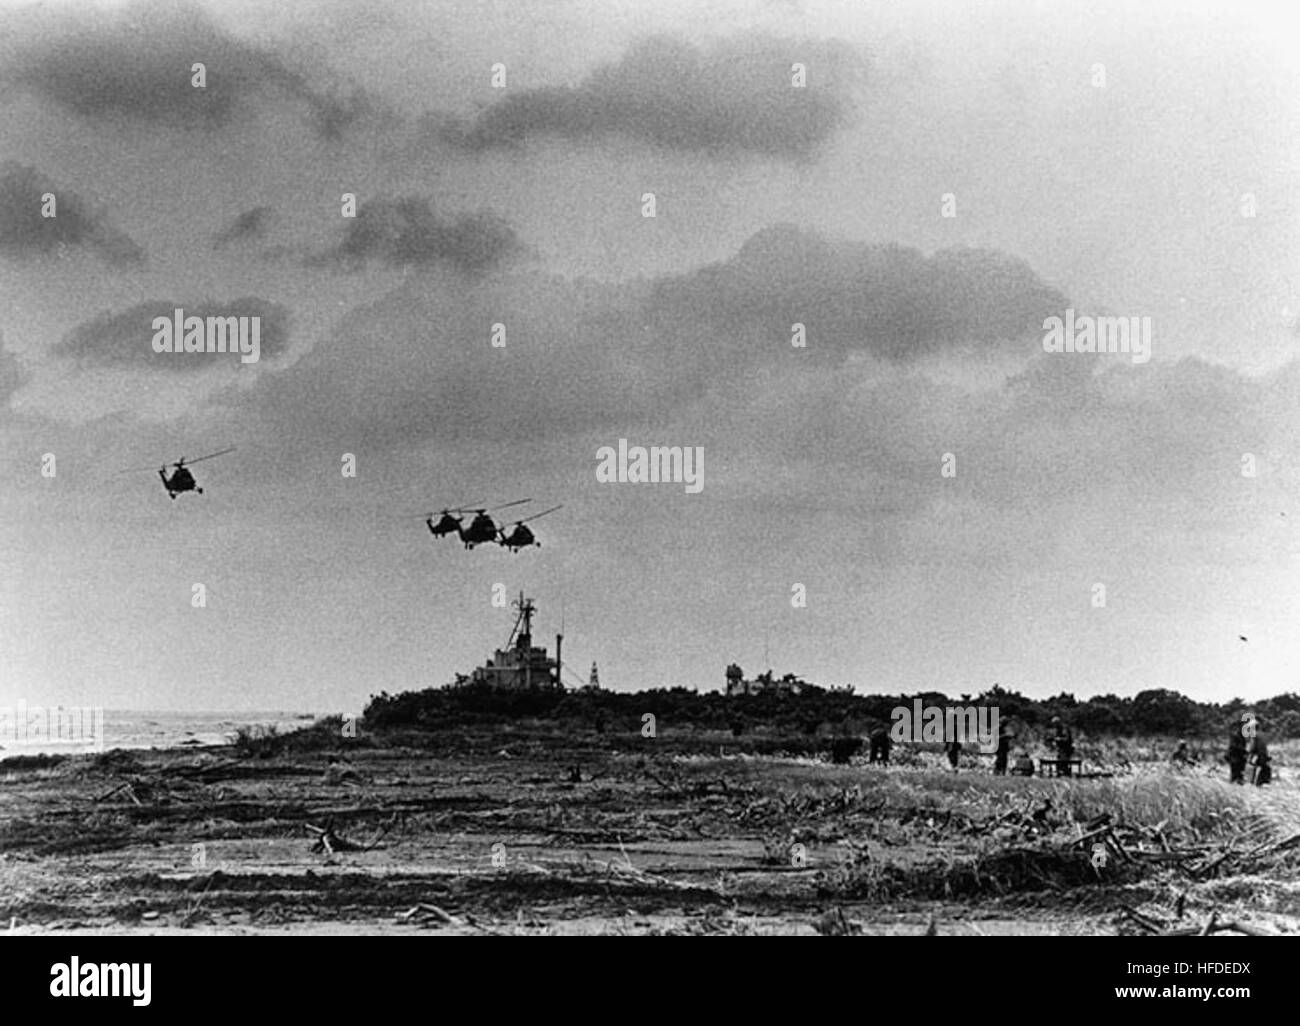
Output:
x=521 y=537
x=181 y=480
x=447 y=524
x=481 y=529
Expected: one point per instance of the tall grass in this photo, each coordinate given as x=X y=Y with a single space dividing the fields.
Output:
x=1184 y=805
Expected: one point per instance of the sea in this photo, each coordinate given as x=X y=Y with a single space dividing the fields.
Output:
x=58 y=731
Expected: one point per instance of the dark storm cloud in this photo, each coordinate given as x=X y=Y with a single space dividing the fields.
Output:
x=25 y=233
x=250 y=226
x=737 y=97
x=406 y=232
x=135 y=62
x=890 y=301
x=125 y=340
x=418 y=364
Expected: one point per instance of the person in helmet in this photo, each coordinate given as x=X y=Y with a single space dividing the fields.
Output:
x=1261 y=764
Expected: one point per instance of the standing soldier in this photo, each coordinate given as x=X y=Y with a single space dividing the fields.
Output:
x=1002 y=753
x=1063 y=743
x=954 y=754
x=1261 y=765
x=1236 y=757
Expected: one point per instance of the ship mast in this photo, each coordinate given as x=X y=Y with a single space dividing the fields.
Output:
x=526 y=610
x=525 y=617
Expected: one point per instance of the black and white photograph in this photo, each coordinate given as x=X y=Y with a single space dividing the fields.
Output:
x=545 y=468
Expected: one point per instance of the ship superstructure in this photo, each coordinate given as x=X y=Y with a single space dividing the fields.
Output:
x=521 y=664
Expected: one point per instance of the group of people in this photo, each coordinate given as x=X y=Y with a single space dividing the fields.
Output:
x=1060 y=740
x=1249 y=751
x=1246 y=747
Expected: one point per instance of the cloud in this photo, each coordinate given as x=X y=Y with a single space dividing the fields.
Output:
x=891 y=302
x=125 y=340
x=135 y=62
x=405 y=232
x=250 y=226
x=418 y=364
x=12 y=376
x=1064 y=447
x=736 y=98
x=26 y=234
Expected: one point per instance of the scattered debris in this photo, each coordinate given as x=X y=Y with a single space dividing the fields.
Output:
x=423 y=912
x=330 y=842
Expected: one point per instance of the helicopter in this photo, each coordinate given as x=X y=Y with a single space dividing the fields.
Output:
x=521 y=537
x=481 y=529
x=447 y=524
x=181 y=480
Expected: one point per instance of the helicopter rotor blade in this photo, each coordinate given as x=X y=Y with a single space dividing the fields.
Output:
x=209 y=456
x=141 y=470
x=506 y=505
x=439 y=512
x=537 y=516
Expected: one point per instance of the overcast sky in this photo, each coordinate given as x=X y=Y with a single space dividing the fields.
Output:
x=1132 y=159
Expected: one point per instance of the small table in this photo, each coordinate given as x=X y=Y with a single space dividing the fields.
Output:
x=1075 y=766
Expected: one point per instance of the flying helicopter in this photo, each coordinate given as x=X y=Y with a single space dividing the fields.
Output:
x=181 y=480
x=481 y=529
x=521 y=537
x=447 y=524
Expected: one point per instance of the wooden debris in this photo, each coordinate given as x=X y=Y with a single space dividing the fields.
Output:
x=109 y=794
x=1212 y=926
x=425 y=910
x=330 y=842
x=1142 y=921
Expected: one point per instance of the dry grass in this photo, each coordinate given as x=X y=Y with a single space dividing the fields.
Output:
x=644 y=841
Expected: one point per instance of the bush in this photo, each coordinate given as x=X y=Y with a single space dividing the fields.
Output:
x=258 y=741
x=814 y=712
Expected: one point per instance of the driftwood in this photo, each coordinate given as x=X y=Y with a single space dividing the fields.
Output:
x=125 y=786
x=330 y=841
x=1212 y=925
x=1142 y=920
x=424 y=909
